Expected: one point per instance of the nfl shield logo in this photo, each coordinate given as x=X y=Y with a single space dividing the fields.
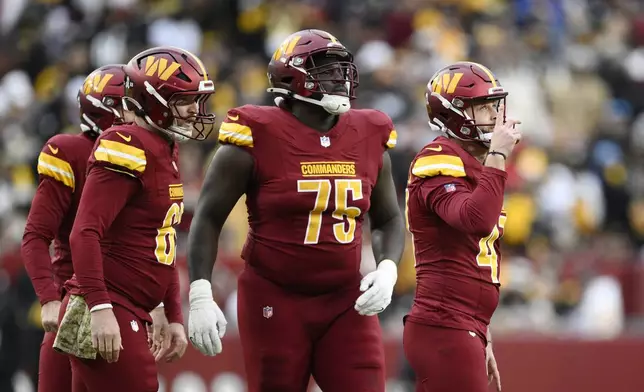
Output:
x=134 y=325
x=449 y=187
x=325 y=141
x=268 y=312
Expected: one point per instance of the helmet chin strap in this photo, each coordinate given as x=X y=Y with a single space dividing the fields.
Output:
x=484 y=138
x=178 y=132
x=333 y=104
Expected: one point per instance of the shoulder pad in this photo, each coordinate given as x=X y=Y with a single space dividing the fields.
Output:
x=236 y=128
x=54 y=161
x=384 y=126
x=437 y=159
x=375 y=117
x=119 y=149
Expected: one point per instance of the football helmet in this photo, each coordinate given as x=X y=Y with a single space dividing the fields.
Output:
x=158 y=79
x=295 y=71
x=457 y=87
x=99 y=98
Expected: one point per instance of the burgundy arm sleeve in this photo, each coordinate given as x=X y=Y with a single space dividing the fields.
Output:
x=105 y=194
x=474 y=212
x=172 y=300
x=48 y=209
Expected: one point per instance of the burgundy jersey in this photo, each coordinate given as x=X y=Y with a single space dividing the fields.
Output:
x=124 y=238
x=454 y=213
x=310 y=191
x=61 y=168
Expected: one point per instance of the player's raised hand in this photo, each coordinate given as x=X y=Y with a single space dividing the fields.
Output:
x=377 y=288
x=206 y=324
x=106 y=334
x=505 y=135
x=178 y=342
x=49 y=316
x=158 y=333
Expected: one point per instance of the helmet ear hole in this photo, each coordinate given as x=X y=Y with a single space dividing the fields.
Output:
x=184 y=77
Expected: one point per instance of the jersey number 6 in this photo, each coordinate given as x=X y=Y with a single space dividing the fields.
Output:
x=322 y=188
x=166 y=239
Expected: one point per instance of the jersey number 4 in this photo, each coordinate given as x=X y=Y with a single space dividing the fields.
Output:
x=487 y=256
x=344 y=231
x=166 y=239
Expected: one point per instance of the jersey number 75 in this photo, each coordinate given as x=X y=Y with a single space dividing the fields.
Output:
x=343 y=231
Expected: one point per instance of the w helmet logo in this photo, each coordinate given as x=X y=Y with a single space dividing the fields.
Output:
x=160 y=66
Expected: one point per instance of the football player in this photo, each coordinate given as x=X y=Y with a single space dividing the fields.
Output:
x=61 y=168
x=455 y=214
x=311 y=168
x=124 y=238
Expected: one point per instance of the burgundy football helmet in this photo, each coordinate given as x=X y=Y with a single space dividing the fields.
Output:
x=455 y=88
x=161 y=78
x=99 y=98
x=293 y=72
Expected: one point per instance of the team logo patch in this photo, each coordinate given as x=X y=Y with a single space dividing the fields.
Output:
x=325 y=141
x=449 y=187
x=134 y=325
x=267 y=311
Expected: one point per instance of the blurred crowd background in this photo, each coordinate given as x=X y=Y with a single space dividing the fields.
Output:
x=575 y=72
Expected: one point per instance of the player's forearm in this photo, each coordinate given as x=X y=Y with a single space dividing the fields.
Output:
x=88 y=265
x=484 y=206
x=488 y=336
x=387 y=226
x=203 y=240
x=172 y=301
x=388 y=239
x=476 y=212
x=48 y=208
x=35 y=253
x=225 y=182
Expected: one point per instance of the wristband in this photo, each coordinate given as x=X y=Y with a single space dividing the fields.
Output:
x=96 y=308
x=498 y=153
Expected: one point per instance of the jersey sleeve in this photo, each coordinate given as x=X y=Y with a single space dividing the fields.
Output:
x=48 y=209
x=448 y=194
x=392 y=138
x=120 y=151
x=438 y=161
x=105 y=194
x=236 y=129
x=172 y=300
x=54 y=163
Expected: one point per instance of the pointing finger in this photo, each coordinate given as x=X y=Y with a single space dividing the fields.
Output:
x=500 y=115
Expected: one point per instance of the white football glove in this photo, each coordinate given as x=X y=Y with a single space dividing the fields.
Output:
x=377 y=288
x=206 y=324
